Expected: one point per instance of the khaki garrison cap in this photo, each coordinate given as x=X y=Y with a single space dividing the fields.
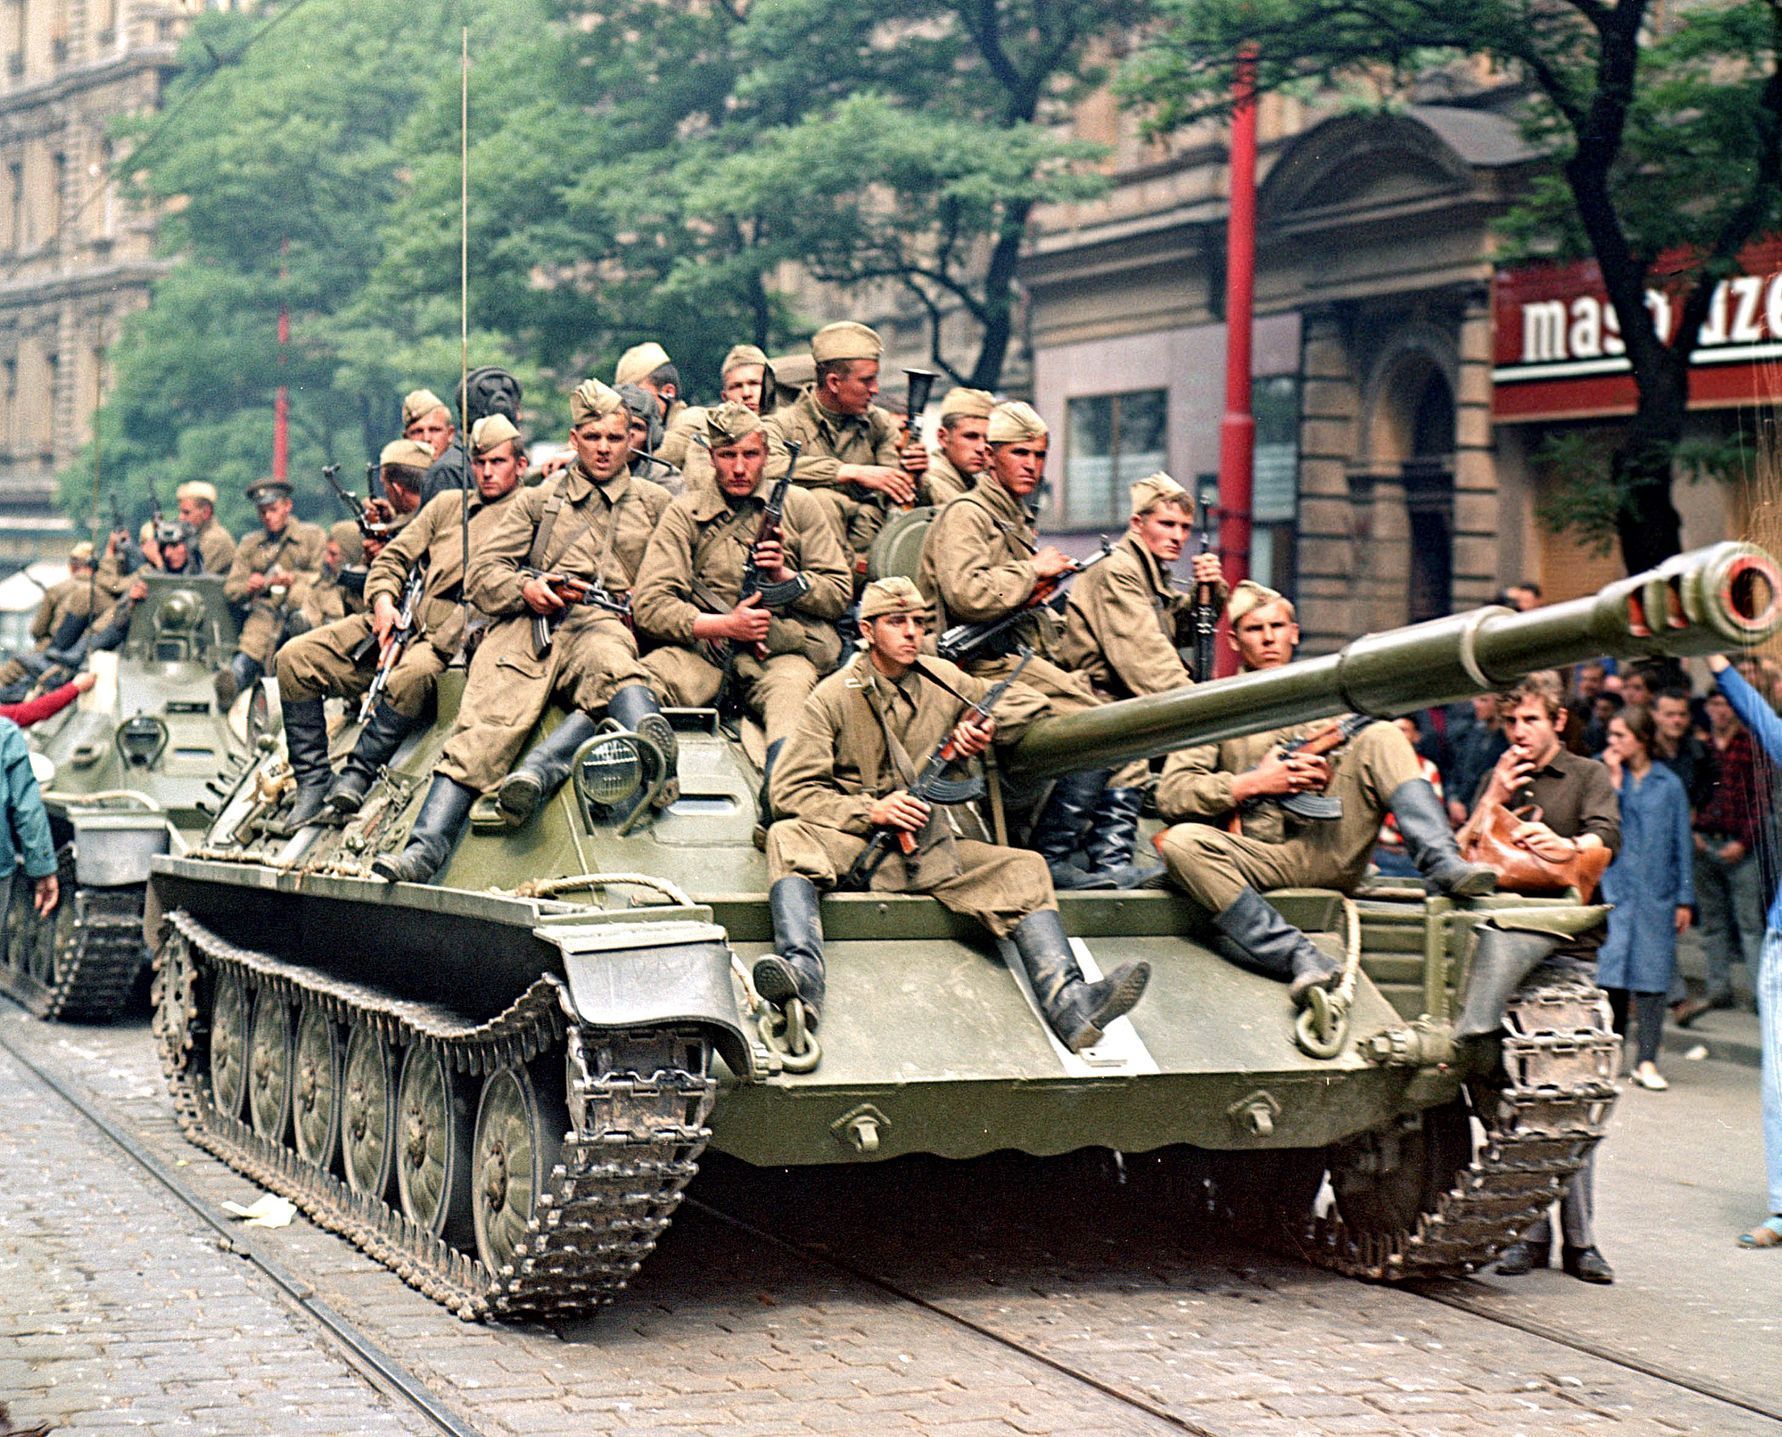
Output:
x=267 y=491
x=895 y=595
x=491 y=432
x=740 y=355
x=1249 y=596
x=346 y=534
x=593 y=400
x=845 y=340
x=972 y=403
x=1014 y=420
x=405 y=454
x=640 y=362
x=418 y=402
x=1153 y=490
x=729 y=424
x=82 y=552
x=198 y=489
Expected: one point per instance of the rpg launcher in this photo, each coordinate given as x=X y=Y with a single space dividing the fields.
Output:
x=575 y=593
x=996 y=638
x=932 y=786
x=1317 y=807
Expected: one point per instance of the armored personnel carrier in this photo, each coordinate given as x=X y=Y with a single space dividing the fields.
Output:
x=124 y=775
x=501 y=1084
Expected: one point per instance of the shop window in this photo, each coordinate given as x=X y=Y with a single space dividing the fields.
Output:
x=1112 y=441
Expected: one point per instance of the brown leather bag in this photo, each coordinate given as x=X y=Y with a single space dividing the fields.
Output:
x=1519 y=868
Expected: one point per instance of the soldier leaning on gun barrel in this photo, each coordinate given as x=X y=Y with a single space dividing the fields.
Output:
x=777 y=642
x=267 y=565
x=847 y=772
x=344 y=658
x=1124 y=626
x=586 y=527
x=982 y=561
x=1203 y=788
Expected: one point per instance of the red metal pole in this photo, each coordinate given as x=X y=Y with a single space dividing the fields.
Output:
x=281 y=404
x=1237 y=430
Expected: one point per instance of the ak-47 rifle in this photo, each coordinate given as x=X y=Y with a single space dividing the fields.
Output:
x=1206 y=613
x=373 y=527
x=574 y=592
x=932 y=786
x=1325 y=739
x=993 y=638
x=395 y=643
x=129 y=556
x=773 y=596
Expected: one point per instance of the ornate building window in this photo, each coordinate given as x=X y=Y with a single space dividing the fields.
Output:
x=1111 y=441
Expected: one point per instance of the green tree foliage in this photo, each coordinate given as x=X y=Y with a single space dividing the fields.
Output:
x=1665 y=132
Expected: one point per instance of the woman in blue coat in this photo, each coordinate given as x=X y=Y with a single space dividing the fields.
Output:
x=1651 y=883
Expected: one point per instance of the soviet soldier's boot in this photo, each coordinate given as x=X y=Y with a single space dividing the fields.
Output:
x=376 y=745
x=796 y=971
x=1061 y=823
x=306 y=744
x=1113 y=830
x=1078 y=1011
x=1267 y=941
x=1429 y=839
x=766 y=805
x=635 y=707
x=437 y=826
x=243 y=673
x=541 y=773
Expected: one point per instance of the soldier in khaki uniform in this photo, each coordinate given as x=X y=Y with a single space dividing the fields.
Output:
x=689 y=587
x=961 y=451
x=338 y=656
x=336 y=590
x=63 y=616
x=267 y=565
x=648 y=366
x=847 y=771
x=742 y=379
x=198 y=511
x=1375 y=773
x=980 y=561
x=850 y=458
x=590 y=522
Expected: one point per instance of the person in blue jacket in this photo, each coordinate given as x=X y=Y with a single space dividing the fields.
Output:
x=1651 y=883
x=1766 y=728
x=26 y=832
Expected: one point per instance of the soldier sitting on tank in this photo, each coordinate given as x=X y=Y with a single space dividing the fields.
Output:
x=1125 y=624
x=590 y=524
x=689 y=588
x=981 y=560
x=198 y=512
x=267 y=566
x=847 y=771
x=61 y=618
x=340 y=658
x=1375 y=773
x=167 y=550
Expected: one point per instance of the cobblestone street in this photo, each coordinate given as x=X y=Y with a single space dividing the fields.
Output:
x=997 y=1297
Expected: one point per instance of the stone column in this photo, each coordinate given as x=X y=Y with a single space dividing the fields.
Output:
x=1478 y=516
x=1330 y=402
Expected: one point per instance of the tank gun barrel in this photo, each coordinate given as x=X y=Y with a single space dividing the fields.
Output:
x=1728 y=596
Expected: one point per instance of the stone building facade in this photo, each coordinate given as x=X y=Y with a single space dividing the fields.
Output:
x=75 y=259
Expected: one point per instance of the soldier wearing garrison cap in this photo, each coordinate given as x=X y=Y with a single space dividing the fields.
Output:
x=961 y=451
x=745 y=379
x=981 y=560
x=197 y=501
x=63 y=614
x=341 y=658
x=847 y=772
x=590 y=522
x=850 y=455
x=268 y=565
x=689 y=588
x=1202 y=789
x=648 y=366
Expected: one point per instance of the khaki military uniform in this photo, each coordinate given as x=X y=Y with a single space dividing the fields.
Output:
x=694 y=565
x=298 y=549
x=71 y=597
x=678 y=446
x=1124 y=622
x=216 y=547
x=320 y=663
x=111 y=579
x=323 y=600
x=977 y=564
x=839 y=760
x=1276 y=850
x=830 y=441
x=943 y=481
x=601 y=532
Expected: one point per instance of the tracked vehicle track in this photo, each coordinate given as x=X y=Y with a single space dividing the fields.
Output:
x=637 y=1106
x=81 y=963
x=1559 y=1057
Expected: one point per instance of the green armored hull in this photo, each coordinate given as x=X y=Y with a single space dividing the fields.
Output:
x=500 y=1083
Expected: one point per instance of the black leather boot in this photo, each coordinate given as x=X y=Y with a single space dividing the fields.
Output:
x=796 y=970
x=1267 y=941
x=541 y=773
x=1429 y=840
x=635 y=707
x=430 y=841
x=1060 y=826
x=242 y=673
x=765 y=802
x=376 y=746
x=1113 y=832
x=1078 y=1011
x=306 y=745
